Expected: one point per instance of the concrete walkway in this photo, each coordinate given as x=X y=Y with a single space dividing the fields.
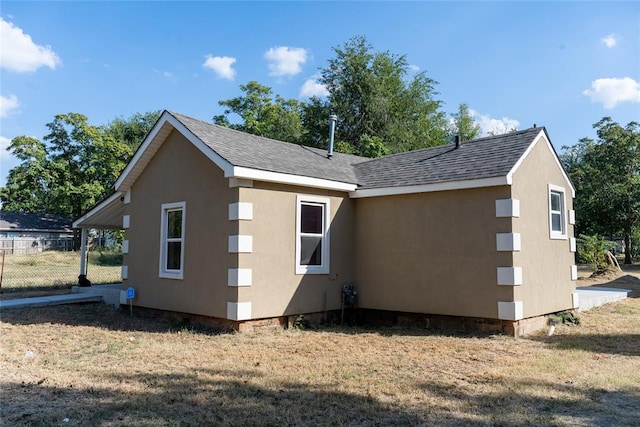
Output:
x=593 y=296
x=109 y=294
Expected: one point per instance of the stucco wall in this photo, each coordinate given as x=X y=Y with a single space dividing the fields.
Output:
x=546 y=263
x=432 y=252
x=276 y=289
x=179 y=172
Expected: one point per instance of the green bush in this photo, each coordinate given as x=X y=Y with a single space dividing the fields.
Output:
x=593 y=250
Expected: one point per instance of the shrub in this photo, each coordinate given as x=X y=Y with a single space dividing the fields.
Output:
x=593 y=250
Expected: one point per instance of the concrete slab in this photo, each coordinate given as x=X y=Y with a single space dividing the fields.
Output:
x=109 y=294
x=593 y=296
x=49 y=300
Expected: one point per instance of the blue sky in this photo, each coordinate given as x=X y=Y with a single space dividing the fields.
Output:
x=563 y=65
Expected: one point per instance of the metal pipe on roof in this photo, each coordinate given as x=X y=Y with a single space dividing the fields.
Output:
x=332 y=127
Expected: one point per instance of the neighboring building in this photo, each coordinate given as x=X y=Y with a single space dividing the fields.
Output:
x=236 y=227
x=22 y=233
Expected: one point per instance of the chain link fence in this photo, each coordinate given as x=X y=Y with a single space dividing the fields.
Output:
x=52 y=269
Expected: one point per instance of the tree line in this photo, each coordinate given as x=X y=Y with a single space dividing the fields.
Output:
x=383 y=108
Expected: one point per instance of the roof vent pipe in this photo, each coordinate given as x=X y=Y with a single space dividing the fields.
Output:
x=457 y=139
x=332 y=128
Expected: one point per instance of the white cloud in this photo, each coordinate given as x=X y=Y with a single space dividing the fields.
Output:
x=4 y=143
x=221 y=65
x=609 y=41
x=489 y=125
x=414 y=68
x=311 y=87
x=20 y=54
x=611 y=91
x=285 y=61
x=8 y=104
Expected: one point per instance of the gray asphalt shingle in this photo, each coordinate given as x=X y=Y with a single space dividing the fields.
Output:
x=256 y=152
x=481 y=158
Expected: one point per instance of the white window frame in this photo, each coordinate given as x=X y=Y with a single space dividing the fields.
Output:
x=324 y=268
x=164 y=240
x=555 y=234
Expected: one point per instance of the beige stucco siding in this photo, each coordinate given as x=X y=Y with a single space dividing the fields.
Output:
x=180 y=173
x=276 y=289
x=546 y=263
x=432 y=252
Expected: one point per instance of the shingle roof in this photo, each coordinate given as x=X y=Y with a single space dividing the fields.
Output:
x=481 y=158
x=33 y=222
x=256 y=152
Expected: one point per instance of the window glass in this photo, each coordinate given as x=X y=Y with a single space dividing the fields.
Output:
x=174 y=222
x=311 y=221
x=310 y=250
x=174 y=249
x=555 y=201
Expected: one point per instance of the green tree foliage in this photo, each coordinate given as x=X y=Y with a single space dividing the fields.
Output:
x=133 y=129
x=372 y=94
x=593 y=250
x=606 y=173
x=462 y=124
x=381 y=109
x=263 y=115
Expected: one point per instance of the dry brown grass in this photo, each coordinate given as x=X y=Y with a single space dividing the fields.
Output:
x=94 y=365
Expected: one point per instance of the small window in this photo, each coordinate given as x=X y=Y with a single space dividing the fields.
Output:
x=172 y=240
x=312 y=237
x=557 y=218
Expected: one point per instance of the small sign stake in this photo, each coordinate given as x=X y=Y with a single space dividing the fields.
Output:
x=131 y=294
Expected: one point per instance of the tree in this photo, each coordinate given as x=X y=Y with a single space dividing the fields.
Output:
x=28 y=185
x=462 y=124
x=373 y=95
x=262 y=115
x=68 y=173
x=606 y=173
x=132 y=130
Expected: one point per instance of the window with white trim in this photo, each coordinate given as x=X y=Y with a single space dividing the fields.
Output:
x=312 y=235
x=557 y=215
x=172 y=240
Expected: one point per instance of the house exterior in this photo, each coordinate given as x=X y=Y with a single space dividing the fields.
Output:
x=25 y=233
x=241 y=228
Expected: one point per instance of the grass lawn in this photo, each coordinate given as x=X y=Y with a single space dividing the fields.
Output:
x=54 y=272
x=94 y=365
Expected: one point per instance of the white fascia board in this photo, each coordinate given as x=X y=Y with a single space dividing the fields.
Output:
x=284 y=178
x=143 y=147
x=429 y=188
x=547 y=143
x=115 y=196
x=151 y=140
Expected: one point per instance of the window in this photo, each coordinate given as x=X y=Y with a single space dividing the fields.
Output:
x=557 y=218
x=172 y=240
x=312 y=235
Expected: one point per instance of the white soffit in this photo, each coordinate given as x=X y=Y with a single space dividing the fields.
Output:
x=106 y=214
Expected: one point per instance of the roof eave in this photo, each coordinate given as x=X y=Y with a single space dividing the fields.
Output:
x=429 y=188
x=289 y=179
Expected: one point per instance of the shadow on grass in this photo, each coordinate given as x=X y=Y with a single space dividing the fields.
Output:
x=538 y=403
x=204 y=397
x=220 y=397
x=620 y=344
x=102 y=316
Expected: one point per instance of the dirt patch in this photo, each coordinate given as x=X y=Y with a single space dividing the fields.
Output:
x=628 y=278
